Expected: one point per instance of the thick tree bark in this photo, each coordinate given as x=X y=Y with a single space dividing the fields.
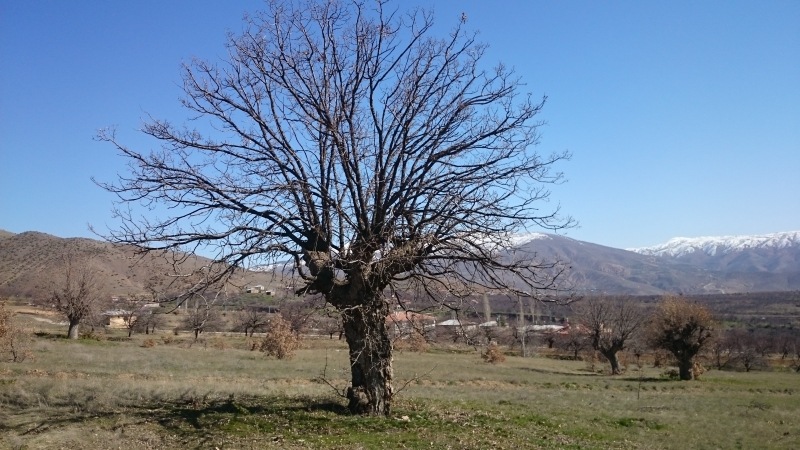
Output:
x=73 y=329
x=612 y=358
x=685 y=368
x=370 y=392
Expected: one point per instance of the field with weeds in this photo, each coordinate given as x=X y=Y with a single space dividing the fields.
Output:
x=167 y=391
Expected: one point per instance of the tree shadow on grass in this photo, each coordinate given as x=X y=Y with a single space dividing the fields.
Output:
x=194 y=420
x=199 y=413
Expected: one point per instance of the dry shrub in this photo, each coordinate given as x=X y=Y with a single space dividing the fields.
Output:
x=414 y=342
x=279 y=340
x=252 y=344
x=14 y=340
x=697 y=370
x=167 y=339
x=663 y=358
x=149 y=343
x=493 y=355
x=417 y=343
x=93 y=335
x=219 y=343
x=595 y=359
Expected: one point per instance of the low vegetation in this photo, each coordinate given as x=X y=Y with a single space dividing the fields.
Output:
x=170 y=391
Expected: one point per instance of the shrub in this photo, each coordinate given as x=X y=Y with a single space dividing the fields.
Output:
x=167 y=339
x=14 y=341
x=279 y=340
x=493 y=355
x=219 y=343
x=149 y=343
x=414 y=342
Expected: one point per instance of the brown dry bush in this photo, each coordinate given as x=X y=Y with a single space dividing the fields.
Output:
x=14 y=340
x=219 y=343
x=149 y=343
x=493 y=355
x=279 y=340
x=414 y=342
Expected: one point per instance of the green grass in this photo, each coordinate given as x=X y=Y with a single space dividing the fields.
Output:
x=117 y=394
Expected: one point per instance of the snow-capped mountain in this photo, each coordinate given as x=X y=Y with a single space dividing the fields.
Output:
x=773 y=253
x=715 y=245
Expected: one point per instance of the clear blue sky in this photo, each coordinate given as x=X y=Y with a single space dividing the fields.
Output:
x=683 y=116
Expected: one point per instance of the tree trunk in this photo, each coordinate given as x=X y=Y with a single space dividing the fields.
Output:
x=612 y=358
x=370 y=392
x=685 y=368
x=73 y=329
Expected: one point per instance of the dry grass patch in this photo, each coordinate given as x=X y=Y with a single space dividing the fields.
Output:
x=107 y=394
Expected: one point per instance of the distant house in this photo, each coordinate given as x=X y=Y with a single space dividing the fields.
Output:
x=402 y=323
x=257 y=289
x=115 y=318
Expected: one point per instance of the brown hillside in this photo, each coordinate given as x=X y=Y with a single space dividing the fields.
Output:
x=30 y=263
x=5 y=234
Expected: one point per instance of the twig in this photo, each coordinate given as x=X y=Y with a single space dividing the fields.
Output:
x=415 y=379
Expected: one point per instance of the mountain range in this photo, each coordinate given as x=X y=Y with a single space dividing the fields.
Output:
x=706 y=265
x=29 y=261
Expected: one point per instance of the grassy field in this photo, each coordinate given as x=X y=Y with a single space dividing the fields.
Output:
x=115 y=393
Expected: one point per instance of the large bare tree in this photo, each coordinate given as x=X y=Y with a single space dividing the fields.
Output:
x=368 y=153
x=611 y=323
x=77 y=293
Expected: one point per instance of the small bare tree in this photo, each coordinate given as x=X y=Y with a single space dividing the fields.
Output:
x=611 y=323
x=134 y=316
x=573 y=340
x=682 y=328
x=14 y=340
x=200 y=319
x=720 y=349
x=747 y=349
x=77 y=293
x=149 y=321
x=300 y=314
x=251 y=320
x=331 y=325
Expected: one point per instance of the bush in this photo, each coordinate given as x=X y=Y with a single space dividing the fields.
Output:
x=414 y=342
x=493 y=355
x=219 y=343
x=14 y=341
x=279 y=340
x=149 y=343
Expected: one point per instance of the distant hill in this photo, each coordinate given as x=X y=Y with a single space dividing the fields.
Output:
x=596 y=268
x=30 y=263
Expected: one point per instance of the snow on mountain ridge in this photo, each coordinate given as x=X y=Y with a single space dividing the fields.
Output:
x=713 y=245
x=524 y=238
